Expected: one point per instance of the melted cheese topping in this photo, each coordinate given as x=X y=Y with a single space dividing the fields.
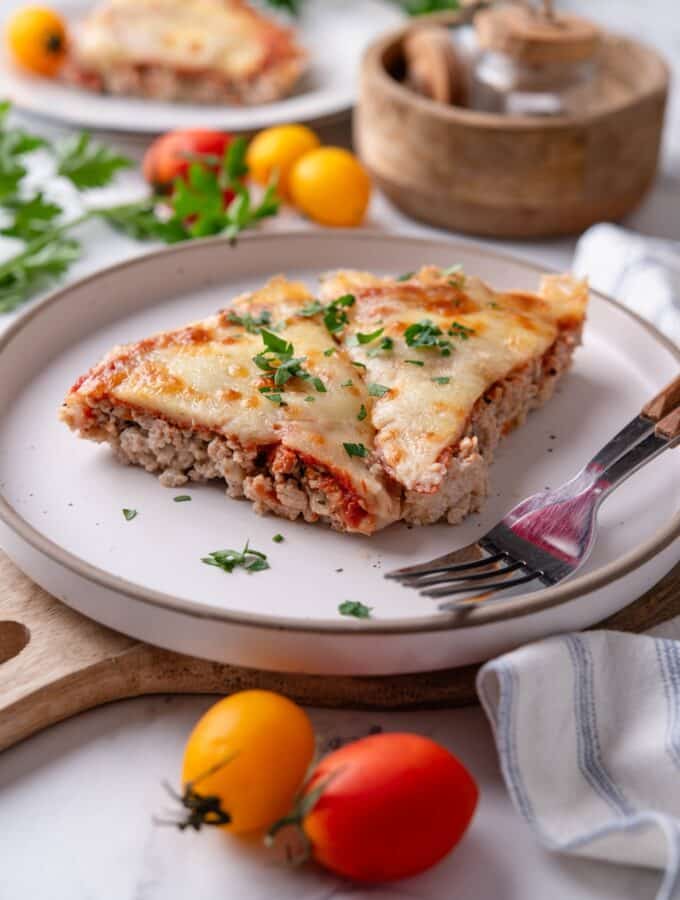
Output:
x=204 y=376
x=430 y=395
x=223 y=36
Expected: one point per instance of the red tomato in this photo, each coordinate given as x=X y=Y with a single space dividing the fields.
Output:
x=166 y=159
x=392 y=806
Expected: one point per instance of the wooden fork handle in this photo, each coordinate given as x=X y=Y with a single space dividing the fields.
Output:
x=669 y=426
x=664 y=402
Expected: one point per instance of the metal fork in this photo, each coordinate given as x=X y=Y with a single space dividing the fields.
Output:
x=548 y=536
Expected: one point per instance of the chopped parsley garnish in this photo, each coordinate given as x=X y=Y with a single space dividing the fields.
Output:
x=460 y=331
x=334 y=316
x=278 y=538
x=312 y=308
x=362 y=413
x=347 y=383
x=414 y=362
x=309 y=399
x=377 y=390
x=228 y=560
x=129 y=514
x=251 y=323
x=182 y=498
x=367 y=338
x=425 y=335
x=355 y=450
x=359 y=365
x=441 y=379
x=278 y=362
x=385 y=344
x=276 y=399
x=405 y=277
x=355 y=609
x=330 y=351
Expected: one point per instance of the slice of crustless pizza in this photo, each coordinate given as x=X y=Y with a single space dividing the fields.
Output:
x=452 y=366
x=382 y=401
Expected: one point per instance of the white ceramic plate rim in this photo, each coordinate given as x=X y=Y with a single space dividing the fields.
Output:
x=512 y=608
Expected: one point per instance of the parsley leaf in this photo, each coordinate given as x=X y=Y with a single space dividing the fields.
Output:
x=228 y=560
x=407 y=276
x=355 y=609
x=362 y=413
x=278 y=538
x=312 y=309
x=368 y=338
x=385 y=344
x=335 y=318
x=330 y=351
x=143 y=222
x=425 y=335
x=377 y=390
x=252 y=324
x=414 y=362
x=182 y=498
x=86 y=163
x=347 y=383
x=355 y=450
x=441 y=379
x=28 y=271
x=460 y=331
x=309 y=399
x=31 y=218
x=359 y=365
x=278 y=362
x=129 y=514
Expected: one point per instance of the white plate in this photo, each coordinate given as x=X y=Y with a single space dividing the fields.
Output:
x=61 y=497
x=334 y=32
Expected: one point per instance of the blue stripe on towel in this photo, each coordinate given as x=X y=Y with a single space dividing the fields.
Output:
x=588 y=747
x=503 y=716
x=669 y=664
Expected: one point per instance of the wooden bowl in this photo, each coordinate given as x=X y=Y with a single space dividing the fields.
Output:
x=506 y=176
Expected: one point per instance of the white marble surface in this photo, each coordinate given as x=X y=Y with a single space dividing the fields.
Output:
x=76 y=801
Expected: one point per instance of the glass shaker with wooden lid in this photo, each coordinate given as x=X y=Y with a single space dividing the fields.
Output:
x=534 y=61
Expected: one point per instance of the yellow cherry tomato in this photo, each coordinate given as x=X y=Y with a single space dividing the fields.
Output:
x=275 y=150
x=245 y=761
x=37 y=39
x=331 y=187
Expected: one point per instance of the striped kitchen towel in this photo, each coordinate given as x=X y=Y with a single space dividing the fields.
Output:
x=588 y=734
x=641 y=272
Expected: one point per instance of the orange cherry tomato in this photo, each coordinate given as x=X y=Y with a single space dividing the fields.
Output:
x=390 y=806
x=245 y=761
x=330 y=186
x=169 y=156
x=37 y=39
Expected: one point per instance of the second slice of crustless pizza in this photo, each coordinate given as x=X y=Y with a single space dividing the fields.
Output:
x=452 y=366
x=382 y=401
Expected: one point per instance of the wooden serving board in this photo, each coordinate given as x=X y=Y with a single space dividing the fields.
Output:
x=55 y=663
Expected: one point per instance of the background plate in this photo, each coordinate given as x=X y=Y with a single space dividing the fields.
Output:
x=61 y=498
x=334 y=32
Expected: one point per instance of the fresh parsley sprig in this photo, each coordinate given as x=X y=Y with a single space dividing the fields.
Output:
x=195 y=208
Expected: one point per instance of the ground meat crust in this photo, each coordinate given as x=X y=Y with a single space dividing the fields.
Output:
x=275 y=479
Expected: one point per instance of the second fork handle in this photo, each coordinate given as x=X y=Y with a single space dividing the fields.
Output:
x=639 y=427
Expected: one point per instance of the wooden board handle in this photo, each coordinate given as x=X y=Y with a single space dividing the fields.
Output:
x=664 y=402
